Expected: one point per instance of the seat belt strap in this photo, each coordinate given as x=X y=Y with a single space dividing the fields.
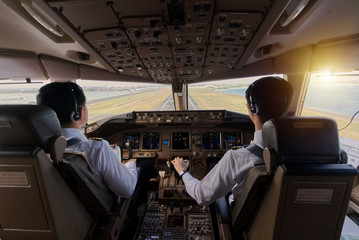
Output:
x=72 y=141
x=256 y=150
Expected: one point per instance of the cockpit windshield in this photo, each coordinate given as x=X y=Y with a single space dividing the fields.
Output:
x=331 y=95
x=334 y=95
x=110 y=98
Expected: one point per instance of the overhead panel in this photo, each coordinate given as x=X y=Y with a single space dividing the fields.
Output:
x=189 y=28
x=231 y=32
x=116 y=48
x=149 y=38
x=189 y=61
x=105 y=39
x=167 y=41
x=159 y=62
x=222 y=58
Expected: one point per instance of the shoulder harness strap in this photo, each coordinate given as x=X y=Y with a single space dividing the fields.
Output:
x=72 y=141
x=256 y=150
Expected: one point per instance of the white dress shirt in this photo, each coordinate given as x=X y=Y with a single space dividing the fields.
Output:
x=230 y=173
x=120 y=178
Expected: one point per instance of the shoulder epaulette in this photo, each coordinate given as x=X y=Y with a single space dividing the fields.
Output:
x=96 y=138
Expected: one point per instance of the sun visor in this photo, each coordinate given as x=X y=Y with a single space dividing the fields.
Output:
x=92 y=73
x=58 y=69
x=337 y=55
x=20 y=65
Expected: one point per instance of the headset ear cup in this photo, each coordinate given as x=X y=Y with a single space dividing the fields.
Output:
x=255 y=108
x=252 y=108
x=75 y=115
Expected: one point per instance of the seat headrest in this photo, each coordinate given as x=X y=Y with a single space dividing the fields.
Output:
x=302 y=139
x=27 y=127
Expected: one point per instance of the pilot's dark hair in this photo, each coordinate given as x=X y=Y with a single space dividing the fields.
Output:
x=64 y=98
x=269 y=97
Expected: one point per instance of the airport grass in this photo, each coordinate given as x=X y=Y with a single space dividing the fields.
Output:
x=133 y=102
x=207 y=98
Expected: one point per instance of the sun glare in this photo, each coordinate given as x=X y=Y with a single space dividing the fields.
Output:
x=324 y=77
x=328 y=77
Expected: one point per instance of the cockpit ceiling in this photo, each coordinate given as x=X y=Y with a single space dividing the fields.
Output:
x=166 y=40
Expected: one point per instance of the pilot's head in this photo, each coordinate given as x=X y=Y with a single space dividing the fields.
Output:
x=67 y=99
x=269 y=97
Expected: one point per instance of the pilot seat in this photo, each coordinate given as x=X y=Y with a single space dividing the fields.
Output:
x=302 y=191
x=45 y=194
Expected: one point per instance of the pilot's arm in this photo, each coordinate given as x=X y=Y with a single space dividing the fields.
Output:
x=230 y=171
x=217 y=183
x=120 y=178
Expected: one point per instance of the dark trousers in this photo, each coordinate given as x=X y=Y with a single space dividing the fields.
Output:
x=139 y=196
x=146 y=172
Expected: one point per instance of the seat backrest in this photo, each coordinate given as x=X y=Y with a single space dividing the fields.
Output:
x=36 y=203
x=107 y=211
x=246 y=203
x=239 y=215
x=310 y=191
x=93 y=194
x=97 y=198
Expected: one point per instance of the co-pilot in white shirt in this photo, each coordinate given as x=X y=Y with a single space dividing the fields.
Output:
x=120 y=178
x=230 y=173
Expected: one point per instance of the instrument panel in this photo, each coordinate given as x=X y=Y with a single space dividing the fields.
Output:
x=164 y=135
x=184 y=140
x=202 y=137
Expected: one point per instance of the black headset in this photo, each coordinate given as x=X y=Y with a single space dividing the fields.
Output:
x=252 y=105
x=75 y=115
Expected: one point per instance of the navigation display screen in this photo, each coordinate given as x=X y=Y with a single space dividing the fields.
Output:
x=232 y=140
x=180 y=140
x=133 y=138
x=151 y=140
x=211 y=141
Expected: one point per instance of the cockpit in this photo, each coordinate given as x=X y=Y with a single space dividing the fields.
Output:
x=166 y=79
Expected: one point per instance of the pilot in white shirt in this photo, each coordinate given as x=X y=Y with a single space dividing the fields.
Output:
x=68 y=100
x=229 y=174
x=267 y=98
x=120 y=178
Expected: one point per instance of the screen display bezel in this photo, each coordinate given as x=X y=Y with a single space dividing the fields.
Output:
x=173 y=142
x=225 y=135
x=144 y=138
x=124 y=137
x=211 y=132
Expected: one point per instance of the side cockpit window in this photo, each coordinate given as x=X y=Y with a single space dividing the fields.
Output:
x=335 y=95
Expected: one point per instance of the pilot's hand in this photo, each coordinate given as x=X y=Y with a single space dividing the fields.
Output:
x=180 y=164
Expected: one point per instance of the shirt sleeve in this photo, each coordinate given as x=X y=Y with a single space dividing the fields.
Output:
x=120 y=178
x=217 y=183
x=229 y=172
